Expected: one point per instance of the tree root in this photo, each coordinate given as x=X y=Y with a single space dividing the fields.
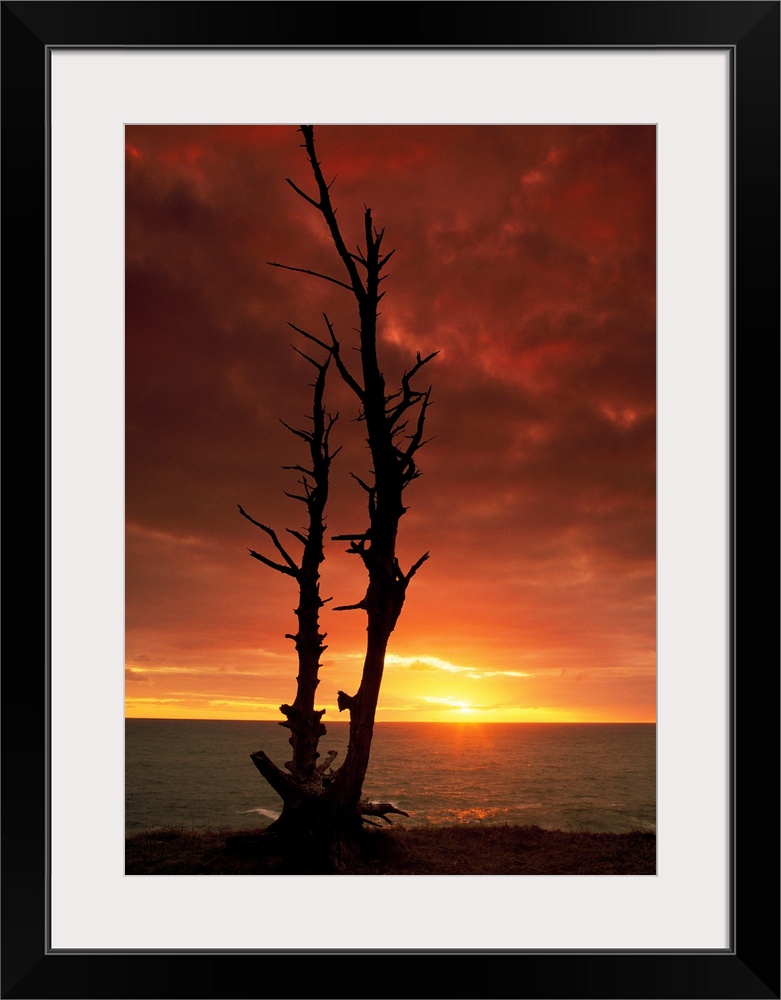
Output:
x=379 y=809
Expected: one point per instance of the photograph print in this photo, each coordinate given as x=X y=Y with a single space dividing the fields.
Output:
x=390 y=499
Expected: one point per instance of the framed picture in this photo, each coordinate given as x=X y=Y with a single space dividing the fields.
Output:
x=704 y=77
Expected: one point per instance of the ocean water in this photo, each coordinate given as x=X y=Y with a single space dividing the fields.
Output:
x=601 y=777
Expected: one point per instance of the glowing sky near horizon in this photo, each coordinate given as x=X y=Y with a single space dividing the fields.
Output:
x=526 y=256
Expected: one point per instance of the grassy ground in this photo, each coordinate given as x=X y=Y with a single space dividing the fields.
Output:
x=452 y=850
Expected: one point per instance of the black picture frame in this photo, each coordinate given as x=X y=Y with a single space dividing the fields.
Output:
x=750 y=967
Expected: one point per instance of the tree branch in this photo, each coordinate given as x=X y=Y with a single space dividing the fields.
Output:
x=306 y=435
x=281 y=783
x=304 y=195
x=360 y=606
x=298 y=496
x=277 y=544
x=326 y=208
x=311 y=360
x=415 y=567
x=410 y=395
x=362 y=484
x=415 y=440
x=330 y=757
x=310 y=336
x=270 y=562
x=343 y=370
x=314 y=274
x=380 y=809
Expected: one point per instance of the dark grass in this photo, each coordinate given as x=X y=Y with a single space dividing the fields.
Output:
x=448 y=850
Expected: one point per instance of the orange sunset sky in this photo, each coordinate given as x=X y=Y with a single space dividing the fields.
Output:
x=526 y=256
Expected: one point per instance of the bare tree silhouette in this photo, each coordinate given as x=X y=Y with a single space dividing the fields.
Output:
x=324 y=808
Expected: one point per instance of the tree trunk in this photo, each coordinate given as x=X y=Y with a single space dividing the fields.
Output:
x=323 y=810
